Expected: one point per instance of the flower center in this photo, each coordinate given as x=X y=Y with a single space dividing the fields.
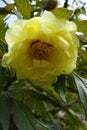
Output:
x=41 y=50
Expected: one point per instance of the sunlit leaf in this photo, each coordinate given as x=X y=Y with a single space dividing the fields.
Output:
x=3 y=45
x=3 y=28
x=24 y=7
x=6 y=10
x=83 y=53
x=82 y=26
x=3 y=48
x=62 y=13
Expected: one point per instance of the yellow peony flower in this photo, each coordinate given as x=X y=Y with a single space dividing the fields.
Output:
x=42 y=48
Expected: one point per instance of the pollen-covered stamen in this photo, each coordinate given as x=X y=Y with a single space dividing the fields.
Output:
x=41 y=50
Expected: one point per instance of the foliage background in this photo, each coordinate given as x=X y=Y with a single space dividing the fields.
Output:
x=24 y=106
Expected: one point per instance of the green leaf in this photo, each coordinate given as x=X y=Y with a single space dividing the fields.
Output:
x=82 y=38
x=29 y=95
x=73 y=121
x=36 y=104
x=22 y=117
x=2 y=78
x=81 y=85
x=24 y=120
x=38 y=93
x=62 y=13
x=6 y=10
x=3 y=29
x=3 y=48
x=82 y=26
x=3 y=45
x=5 y=104
x=60 y=87
x=24 y=8
x=83 y=53
x=7 y=76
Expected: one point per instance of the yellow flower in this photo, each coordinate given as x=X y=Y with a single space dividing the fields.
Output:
x=42 y=48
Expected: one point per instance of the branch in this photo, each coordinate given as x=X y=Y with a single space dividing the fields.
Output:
x=5 y=2
x=66 y=4
x=72 y=102
x=67 y=105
